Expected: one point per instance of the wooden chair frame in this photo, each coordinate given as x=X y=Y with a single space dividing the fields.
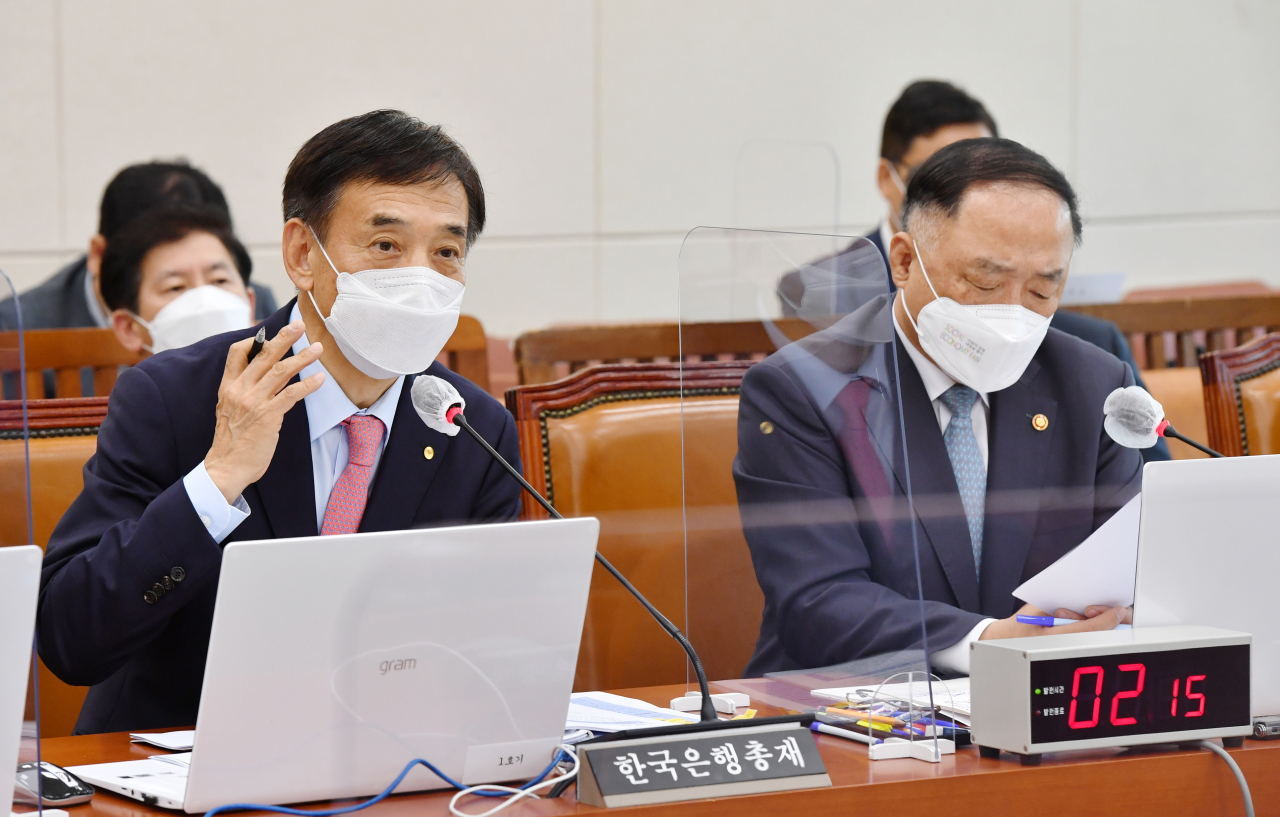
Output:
x=540 y=354
x=1222 y=373
x=1194 y=325
x=66 y=351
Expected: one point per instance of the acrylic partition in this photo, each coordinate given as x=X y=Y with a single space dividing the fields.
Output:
x=802 y=538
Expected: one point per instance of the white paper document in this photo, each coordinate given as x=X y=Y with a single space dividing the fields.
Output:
x=1101 y=570
x=603 y=712
x=173 y=741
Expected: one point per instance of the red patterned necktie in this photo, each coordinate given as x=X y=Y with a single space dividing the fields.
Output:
x=350 y=493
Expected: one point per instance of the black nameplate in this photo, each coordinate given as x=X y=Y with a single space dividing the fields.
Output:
x=732 y=761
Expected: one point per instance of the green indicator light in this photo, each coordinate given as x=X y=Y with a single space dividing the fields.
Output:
x=1037 y=692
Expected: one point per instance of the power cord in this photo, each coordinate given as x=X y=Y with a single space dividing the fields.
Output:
x=485 y=790
x=1235 y=769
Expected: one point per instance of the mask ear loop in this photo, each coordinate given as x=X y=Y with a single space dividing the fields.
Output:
x=146 y=326
x=332 y=266
x=897 y=180
x=936 y=297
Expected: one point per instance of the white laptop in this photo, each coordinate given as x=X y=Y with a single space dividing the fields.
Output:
x=1208 y=552
x=19 y=587
x=336 y=660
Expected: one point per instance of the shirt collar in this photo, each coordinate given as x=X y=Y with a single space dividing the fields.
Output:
x=96 y=312
x=329 y=405
x=936 y=381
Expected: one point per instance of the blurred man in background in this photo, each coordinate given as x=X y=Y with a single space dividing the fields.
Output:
x=71 y=298
x=176 y=275
x=926 y=117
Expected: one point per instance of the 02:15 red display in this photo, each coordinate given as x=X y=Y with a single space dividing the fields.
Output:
x=1076 y=721
x=1139 y=693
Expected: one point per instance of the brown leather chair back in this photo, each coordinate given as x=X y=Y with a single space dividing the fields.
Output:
x=63 y=438
x=548 y=354
x=1175 y=331
x=66 y=351
x=1242 y=398
x=1180 y=391
x=606 y=442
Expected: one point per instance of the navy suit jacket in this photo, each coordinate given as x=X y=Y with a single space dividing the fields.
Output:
x=134 y=524
x=836 y=565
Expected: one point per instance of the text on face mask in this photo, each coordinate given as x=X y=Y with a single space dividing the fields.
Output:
x=955 y=338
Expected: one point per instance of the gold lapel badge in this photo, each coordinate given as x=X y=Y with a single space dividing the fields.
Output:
x=428 y=452
x=1039 y=422
x=766 y=427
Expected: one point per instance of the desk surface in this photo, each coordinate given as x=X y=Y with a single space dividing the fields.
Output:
x=1095 y=783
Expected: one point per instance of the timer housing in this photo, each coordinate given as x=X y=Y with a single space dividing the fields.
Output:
x=1116 y=688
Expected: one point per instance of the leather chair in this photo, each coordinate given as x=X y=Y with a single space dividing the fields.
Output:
x=63 y=438
x=1242 y=398
x=607 y=442
x=1180 y=391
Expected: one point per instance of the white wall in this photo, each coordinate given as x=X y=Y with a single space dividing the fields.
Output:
x=605 y=129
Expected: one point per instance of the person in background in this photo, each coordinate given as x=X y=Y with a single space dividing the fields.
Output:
x=1005 y=452
x=71 y=298
x=176 y=275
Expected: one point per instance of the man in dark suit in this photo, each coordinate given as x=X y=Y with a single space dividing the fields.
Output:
x=316 y=435
x=70 y=298
x=991 y=418
x=926 y=117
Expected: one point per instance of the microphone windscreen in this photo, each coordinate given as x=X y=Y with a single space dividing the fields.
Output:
x=432 y=399
x=1131 y=417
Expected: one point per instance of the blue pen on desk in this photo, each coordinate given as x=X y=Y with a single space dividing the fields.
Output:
x=1045 y=621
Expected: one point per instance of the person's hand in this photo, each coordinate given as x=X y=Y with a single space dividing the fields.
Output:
x=252 y=401
x=1094 y=618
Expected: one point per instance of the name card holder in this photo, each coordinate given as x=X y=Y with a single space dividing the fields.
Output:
x=699 y=764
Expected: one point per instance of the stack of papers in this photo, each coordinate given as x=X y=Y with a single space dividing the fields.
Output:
x=602 y=712
x=173 y=741
x=951 y=697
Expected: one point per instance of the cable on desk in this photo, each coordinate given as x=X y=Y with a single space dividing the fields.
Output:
x=1235 y=769
x=483 y=790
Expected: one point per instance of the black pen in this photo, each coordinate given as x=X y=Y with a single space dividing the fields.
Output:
x=258 y=340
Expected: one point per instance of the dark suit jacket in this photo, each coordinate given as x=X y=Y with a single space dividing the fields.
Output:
x=133 y=524
x=836 y=562
x=59 y=302
x=1101 y=333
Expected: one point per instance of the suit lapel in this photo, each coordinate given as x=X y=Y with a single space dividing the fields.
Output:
x=404 y=472
x=286 y=490
x=1017 y=459
x=934 y=492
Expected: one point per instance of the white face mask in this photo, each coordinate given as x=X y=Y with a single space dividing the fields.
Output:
x=198 y=313
x=390 y=322
x=986 y=347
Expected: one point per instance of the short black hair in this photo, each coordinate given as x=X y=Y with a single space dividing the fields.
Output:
x=942 y=180
x=139 y=188
x=387 y=147
x=924 y=106
x=121 y=274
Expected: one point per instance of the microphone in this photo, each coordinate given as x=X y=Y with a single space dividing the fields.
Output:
x=440 y=407
x=1134 y=419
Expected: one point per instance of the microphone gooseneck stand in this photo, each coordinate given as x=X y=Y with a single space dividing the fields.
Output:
x=1170 y=431
x=708 y=707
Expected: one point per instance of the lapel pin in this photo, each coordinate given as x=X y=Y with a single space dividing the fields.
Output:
x=1040 y=422
x=766 y=427
x=430 y=452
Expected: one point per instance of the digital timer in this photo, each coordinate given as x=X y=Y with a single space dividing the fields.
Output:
x=1115 y=688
